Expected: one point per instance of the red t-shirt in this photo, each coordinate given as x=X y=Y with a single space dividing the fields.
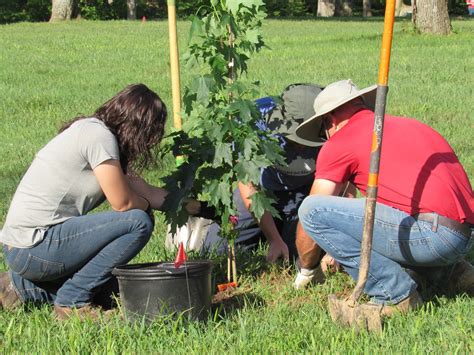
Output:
x=419 y=171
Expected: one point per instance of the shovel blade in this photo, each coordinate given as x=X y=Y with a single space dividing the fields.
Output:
x=359 y=316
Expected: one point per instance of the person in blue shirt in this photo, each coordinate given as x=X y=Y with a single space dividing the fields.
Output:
x=289 y=184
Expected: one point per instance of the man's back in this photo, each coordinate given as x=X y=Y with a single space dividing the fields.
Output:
x=419 y=171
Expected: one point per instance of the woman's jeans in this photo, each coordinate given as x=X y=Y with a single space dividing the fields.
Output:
x=76 y=258
x=399 y=240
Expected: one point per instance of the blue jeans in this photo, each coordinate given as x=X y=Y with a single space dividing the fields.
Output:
x=76 y=258
x=336 y=224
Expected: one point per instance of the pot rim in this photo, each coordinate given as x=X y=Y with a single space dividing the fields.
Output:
x=162 y=269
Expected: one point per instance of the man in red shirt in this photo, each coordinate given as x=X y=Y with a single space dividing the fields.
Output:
x=424 y=213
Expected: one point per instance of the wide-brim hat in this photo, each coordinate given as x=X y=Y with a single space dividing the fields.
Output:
x=296 y=106
x=333 y=96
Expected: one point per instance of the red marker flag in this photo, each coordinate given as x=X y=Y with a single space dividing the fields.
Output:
x=180 y=257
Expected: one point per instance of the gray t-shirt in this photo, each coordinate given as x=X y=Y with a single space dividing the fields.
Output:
x=60 y=183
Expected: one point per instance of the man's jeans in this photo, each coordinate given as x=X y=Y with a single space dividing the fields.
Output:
x=336 y=224
x=76 y=258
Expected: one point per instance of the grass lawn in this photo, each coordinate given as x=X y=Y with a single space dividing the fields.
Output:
x=50 y=73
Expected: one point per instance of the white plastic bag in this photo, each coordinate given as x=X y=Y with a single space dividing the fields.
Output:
x=192 y=234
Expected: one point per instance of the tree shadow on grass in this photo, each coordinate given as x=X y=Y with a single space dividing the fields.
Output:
x=228 y=302
x=251 y=263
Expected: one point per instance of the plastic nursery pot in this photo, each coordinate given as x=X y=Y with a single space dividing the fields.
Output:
x=159 y=289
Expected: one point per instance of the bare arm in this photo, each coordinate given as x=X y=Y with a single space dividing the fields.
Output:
x=156 y=195
x=116 y=188
x=125 y=193
x=277 y=246
x=309 y=252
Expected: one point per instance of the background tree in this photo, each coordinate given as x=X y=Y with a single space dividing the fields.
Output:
x=402 y=9
x=344 y=8
x=62 y=10
x=131 y=10
x=326 y=8
x=431 y=16
x=366 y=8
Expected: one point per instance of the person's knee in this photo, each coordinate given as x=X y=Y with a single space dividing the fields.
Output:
x=308 y=210
x=142 y=223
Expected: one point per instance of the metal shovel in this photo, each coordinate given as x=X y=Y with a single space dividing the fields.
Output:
x=348 y=311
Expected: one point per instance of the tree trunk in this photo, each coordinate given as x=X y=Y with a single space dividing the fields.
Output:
x=344 y=8
x=432 y=17
x=326 y=8
x=61 y=10
x=402 y=9
x=131 y=10
x=366 y=8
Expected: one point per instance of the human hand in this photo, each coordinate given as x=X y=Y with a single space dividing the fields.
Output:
x=329 y=264
x=277 y=249
x=192 y=206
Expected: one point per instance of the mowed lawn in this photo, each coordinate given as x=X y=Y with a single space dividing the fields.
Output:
x=50 y=73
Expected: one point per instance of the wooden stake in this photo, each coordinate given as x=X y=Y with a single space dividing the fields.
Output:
x=229 y=263
x=231 y=78
x=234 y=264
x=174 y=62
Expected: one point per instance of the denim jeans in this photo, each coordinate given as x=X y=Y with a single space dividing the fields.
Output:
x=76 y=258
x=399 y=241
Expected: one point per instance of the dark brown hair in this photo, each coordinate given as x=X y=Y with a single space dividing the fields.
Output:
x=137 y=117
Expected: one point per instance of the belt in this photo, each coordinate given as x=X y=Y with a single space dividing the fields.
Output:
x=463 y=228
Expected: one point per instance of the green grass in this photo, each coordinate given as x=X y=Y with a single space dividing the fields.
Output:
x=50 y=73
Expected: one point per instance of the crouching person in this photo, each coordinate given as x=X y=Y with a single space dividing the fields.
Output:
x=424 y=213
x=58 y=253
x=289 y=183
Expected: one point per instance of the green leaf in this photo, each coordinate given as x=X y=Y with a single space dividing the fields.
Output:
x=260 y=203
x=242 y=108
x=233 y=5
x=273 y=151
x=249 y=146
x=219 y=64
x=196 y=27
x=223 y=154
x=224 y=192
x=241 y=172
x=253 y=36
x=247 y=171
x=261 y=161
x=204 y=82
x=210 y=191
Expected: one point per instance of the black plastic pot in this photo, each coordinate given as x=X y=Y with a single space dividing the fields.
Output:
x=156 y=289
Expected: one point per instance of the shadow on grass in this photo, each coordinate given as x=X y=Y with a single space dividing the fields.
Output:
x=226 y=303
x=251 y=263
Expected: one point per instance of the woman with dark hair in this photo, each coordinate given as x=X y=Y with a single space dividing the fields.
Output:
x=57 y=252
